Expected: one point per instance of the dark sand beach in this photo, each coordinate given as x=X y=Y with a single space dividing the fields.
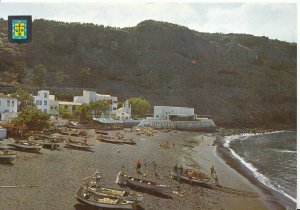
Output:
x=59 y=173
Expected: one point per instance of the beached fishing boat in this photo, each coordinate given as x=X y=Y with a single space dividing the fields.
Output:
x=7 y=155
x=87 y=197
x=122 y=194
x=27 y=145
x=79 y=145
x=193 y=177
x=115 y=140
x=140 y=183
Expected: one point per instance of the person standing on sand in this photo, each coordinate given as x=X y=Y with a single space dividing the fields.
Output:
x=155 y=169
x=176 y=169
x=216 y=180
x=138 y=166
x=212 y=171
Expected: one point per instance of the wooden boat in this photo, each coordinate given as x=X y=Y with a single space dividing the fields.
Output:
x=195 y=177
x=121 y=194
x=27 y=145
x=7 y=155
x=140 y=183
x=79 y=145
x=115 y=140
x=86 y=197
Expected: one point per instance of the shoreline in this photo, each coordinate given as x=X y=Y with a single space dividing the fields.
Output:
x=273 y=198
x=234 y=186
x=58 y=173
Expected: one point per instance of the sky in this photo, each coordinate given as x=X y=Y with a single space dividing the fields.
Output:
x=274 y=20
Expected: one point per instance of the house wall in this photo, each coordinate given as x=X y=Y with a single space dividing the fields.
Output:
x=89 y=96
x=42 y=100
x=8 y=108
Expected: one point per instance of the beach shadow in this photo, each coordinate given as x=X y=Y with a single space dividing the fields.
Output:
x=204 y=185
x=32 y=151
x=79 y=206
x=6 y=162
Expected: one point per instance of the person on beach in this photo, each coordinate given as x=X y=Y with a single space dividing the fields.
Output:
x=176 y=169
x=189 y=174
x=138 y=166
x=212 y=171
x=155 y=169
x=216 y=180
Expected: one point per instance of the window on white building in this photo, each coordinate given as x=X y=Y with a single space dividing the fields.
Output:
x=45 y=95
x=8 y=102
x=12 y=103
x=38 y=102
x=45 y=110
x=45 y=103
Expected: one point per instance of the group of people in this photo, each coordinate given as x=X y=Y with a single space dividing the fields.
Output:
x=139 y=167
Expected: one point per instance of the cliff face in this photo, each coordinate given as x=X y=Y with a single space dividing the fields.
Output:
x=241 y=80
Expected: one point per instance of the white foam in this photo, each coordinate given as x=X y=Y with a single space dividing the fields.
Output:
x=264 y=180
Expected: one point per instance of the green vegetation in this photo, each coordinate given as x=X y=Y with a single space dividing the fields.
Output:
x=33 y=118
x=84 y=74
x=39 y=75
x=25 y=100
x=240 y=79
x=83 y=113
x=140 y=106
x=64 y=113
x=98 y=107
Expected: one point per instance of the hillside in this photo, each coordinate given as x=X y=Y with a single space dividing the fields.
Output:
x=241 y=80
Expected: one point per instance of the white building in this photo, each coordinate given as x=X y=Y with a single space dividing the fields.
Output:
x=53 y=106
x=42 y=100
x=124 y=113
x=8 y=107
x=89 y=96
x=164 y=112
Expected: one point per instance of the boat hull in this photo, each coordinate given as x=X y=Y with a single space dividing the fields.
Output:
x=29 y=147
x=81 y=147
x=143 y=184
x=8 y=157
x=79 y=198
x=128 y=198
x=193 y=180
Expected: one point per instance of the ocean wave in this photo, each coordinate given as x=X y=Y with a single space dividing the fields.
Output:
x=284 y=151
x=244 y=136
x=263 y=179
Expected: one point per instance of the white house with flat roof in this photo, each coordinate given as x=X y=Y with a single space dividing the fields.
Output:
x=8 y=107
x=164 y=112
x=89 y=96
x=42 y=100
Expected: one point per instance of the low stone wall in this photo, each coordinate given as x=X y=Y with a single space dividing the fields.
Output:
x=203 y=124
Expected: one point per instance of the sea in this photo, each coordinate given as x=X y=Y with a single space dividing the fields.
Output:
x=271 y=157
